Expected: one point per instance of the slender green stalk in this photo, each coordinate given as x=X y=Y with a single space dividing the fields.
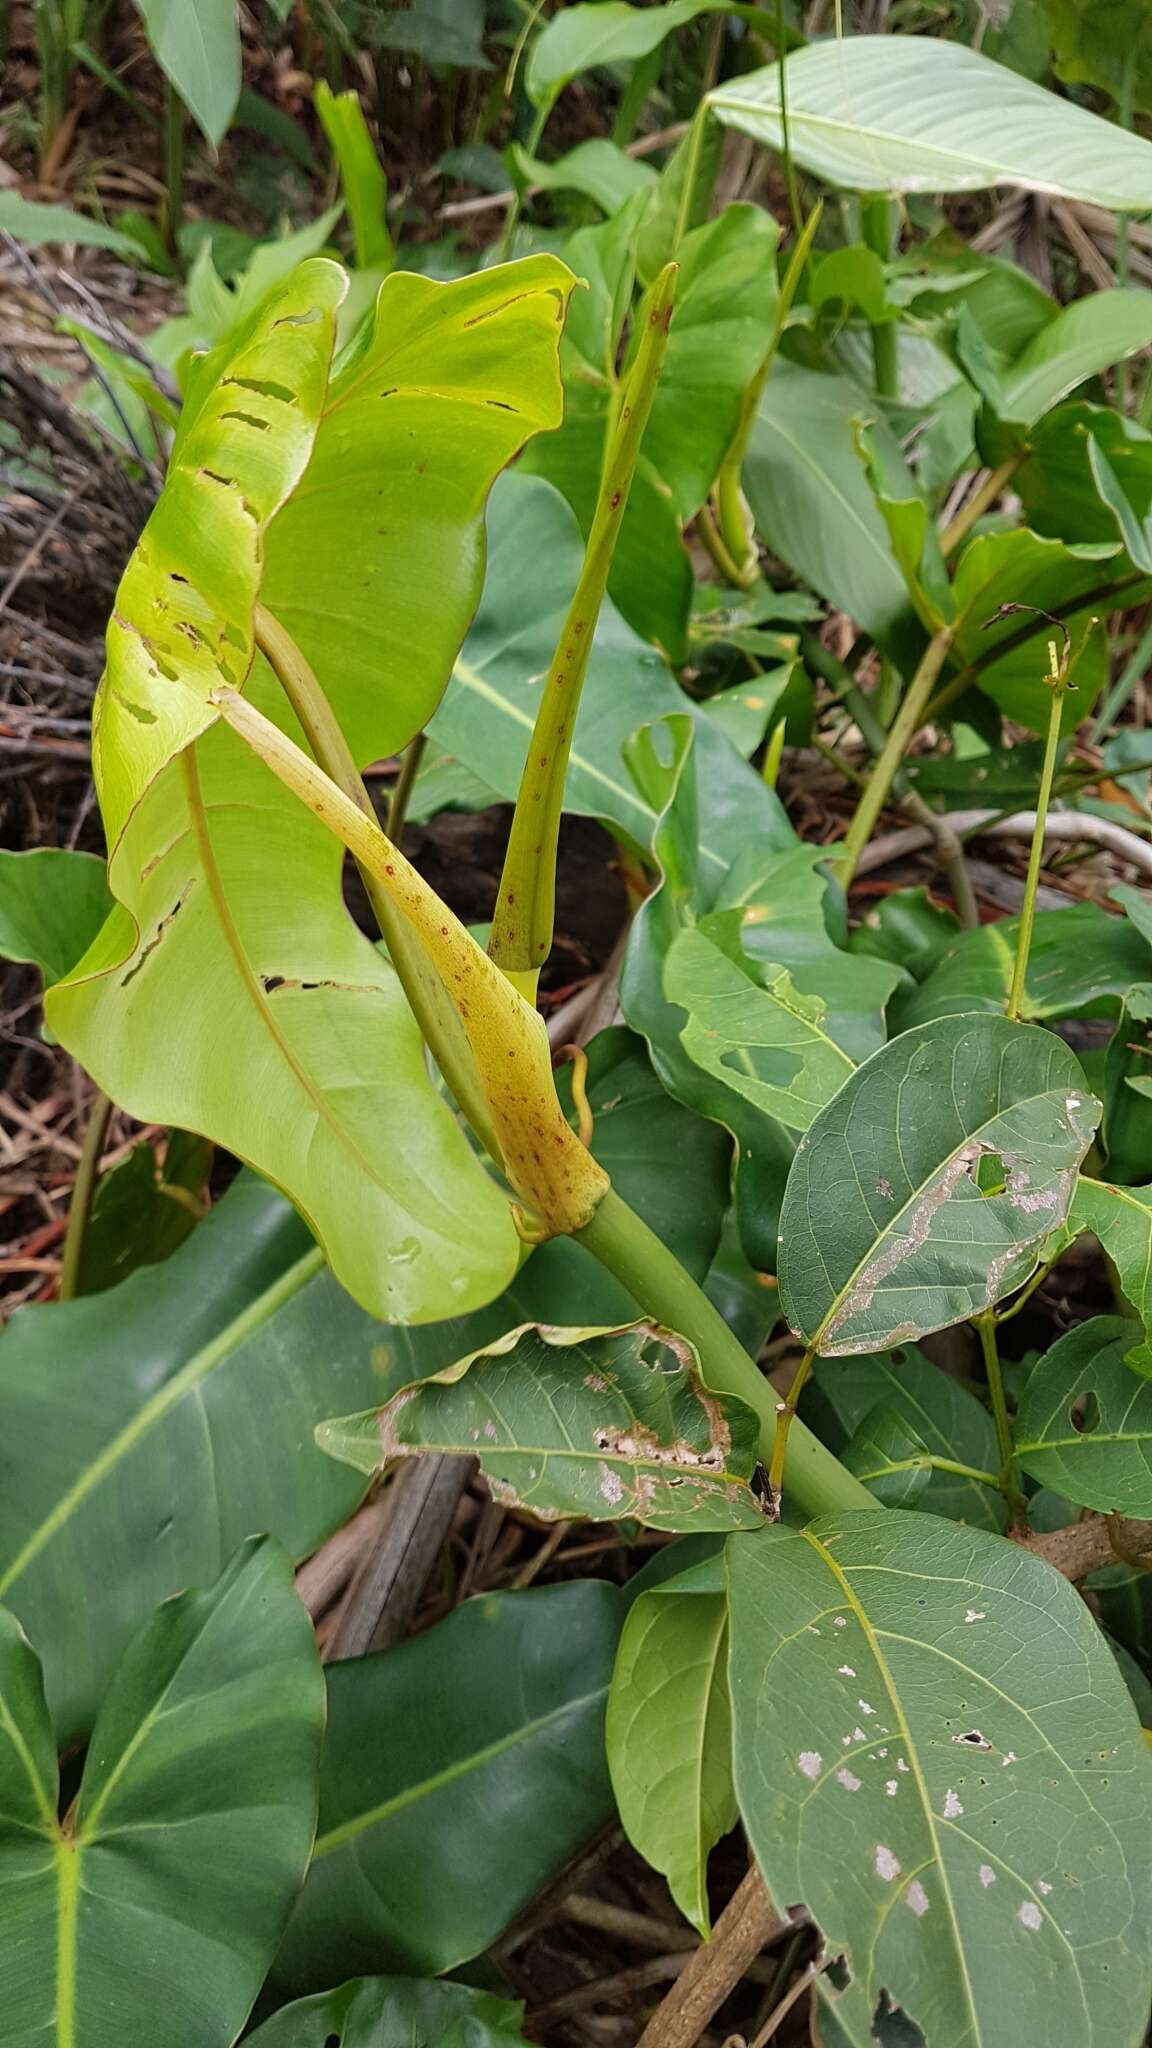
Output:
x=1104 y=594
x=512 y=217
x=927 y=1463
x=785 y=128
x=715 y=547
x=685 y=212
x=438 y=1020
x=1009 y=1486
x=657 y=1282
x=877 y=225
x=730 y=508
x=83 y=1189
x=405 y=783
x=904 y=726
x=979 y=503
x=785 y=1418
x=1032 y=881
x=522 y=926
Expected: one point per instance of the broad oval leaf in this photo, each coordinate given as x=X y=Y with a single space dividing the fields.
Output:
x=612 y=32
x=497 y=1713
x=885 y=1231
x=394 y=2012
x=595 y=1424
x=669 y=1731
x=374 y=565
x=1122 y=1220
x=197 y=46
x=146 y=1431
x=52 y=904
x=1084 y=1424
x=1084 y=338
x=922 y=115
x=1080 y=959
x=166 y=1890
x=936 y=1753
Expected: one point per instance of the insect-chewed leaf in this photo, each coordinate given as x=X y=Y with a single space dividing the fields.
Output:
x=1084 y=1426
x=936 y=1753
x=669 y=1730
x=1122 y=1220
x=597 y=1424
x=924 y=1190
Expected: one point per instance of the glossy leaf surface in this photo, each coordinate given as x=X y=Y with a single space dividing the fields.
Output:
x=936 y=1752
x=885 y=1231
x=168 y=1889
x=492 y=1722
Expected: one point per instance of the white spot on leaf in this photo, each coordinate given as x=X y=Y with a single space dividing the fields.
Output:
x=975 y=1614
x=885 y=1863
x=986 y=1875
x=891 y=1787
x=849 y=1780
x=952 y=1807
x=1029 y=1915
x=845 y=1671
x=917 y=1898
x=809 y=1761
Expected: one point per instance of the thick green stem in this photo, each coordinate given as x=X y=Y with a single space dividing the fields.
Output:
x=1036 y=855
x=525 y=907
x=83 y=1189
x=904 y=726
x=438 y=1020
x=657 y=1282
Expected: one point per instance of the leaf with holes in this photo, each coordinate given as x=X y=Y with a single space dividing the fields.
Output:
x=496 y=1714
x=1122 y=1220
x=923 y=115
x=166 y=1888
x=375 y=564
x=1084 y=1424
x=949 y=1422
x=936 y=1753
x=925 y=1190
x=669 y=1731
x=597 y=1424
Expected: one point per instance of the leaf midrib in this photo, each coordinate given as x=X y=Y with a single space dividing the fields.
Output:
x=356 y=1825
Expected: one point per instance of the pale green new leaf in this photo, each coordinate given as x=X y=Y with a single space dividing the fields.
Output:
x=1084 y=338
x=886 y=1232
x=595 y=168
x=936 y=1753
x=496 y=1714
x=323 y=1083
x=32 y=222
x=363 y=180
x=927 y=115
x=1084 y=1424
x=52 y=904
x=197 y=46
x=586 y=1424
x=162 y=1897
x=581 y=38
x=1122 y=1220
x=669 y=1731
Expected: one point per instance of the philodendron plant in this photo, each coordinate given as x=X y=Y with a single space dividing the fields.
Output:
x=920 y=1724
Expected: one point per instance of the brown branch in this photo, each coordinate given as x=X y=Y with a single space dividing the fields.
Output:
x=1098 y=1540
x=749 y=1921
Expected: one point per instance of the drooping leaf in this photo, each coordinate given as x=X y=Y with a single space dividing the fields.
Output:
x=394 y=2012
x=909 y=929
x=886 y=1232
x=1080 y=961
x=669 y=1731
x=52 y=904
x=376 y=578
x=949 y=1421
x=485 y=719
x=936 y=1753
x=582 y=38
x=146 y=1431
x=197 y=46
x=1084 y=1424
x=812 y=502
x=1122 y=1220
x=497 y=1711
x=143 y=1210
x=719 y=336
x=922 y=115
x=166 y=1889
x=591 y=1424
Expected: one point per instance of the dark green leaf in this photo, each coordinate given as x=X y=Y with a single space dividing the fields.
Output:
x=1080 y=961
x=142 y=1211
x=577 y=1424
x=1126 y=1131
x=166 y=1890
x=936 y=1753
x=52 y=904
x=1084 y=1424
x=886 y=1232
x=1122 y=1220
x=492 y=1721
x=950 y=1422
x=394 y=2012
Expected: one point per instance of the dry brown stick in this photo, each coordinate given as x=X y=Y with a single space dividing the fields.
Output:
x=1097 y=1540
x=608 y=1990
x=748 y=1922
x=421 y=1503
